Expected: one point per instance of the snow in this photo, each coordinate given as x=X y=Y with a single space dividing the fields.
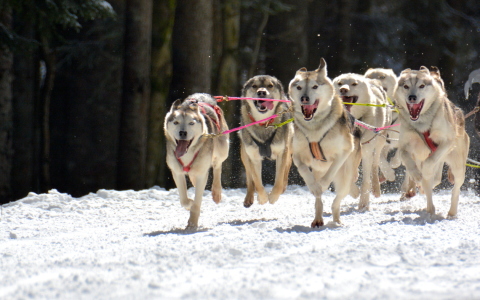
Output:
x=131 y=245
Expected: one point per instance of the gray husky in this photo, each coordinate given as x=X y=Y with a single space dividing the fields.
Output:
x=432 y=133
x=191 y=152
x=262 y=140
x=326 y=145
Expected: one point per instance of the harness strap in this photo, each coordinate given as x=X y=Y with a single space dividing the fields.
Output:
x=215 y=108
x=266 y=123
x=187 y=167
x=265 y=148
x=433 y=147
x=317 y=151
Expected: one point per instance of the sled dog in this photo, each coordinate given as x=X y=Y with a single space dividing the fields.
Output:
x=355 y=88
x=432 y=133
x=388 y=80
x=262 y=141
x=326 y=144
x=191 y=153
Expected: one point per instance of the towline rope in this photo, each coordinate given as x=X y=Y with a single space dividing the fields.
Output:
x=227 y=98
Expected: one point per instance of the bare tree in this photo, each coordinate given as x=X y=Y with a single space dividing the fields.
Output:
x=192 y=48
x=136 y=95
x=6 y=115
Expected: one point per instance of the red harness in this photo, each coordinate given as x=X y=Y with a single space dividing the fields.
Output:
x=266 y=123
x=433 y=147
x=186 y=168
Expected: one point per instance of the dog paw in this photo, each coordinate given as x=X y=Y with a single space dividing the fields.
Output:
x=191 y=226
x=363 y=206
x=248 y=202
x=262 y=198
x=217 y=196
x=273 y=197
x=187 y=204
x=317 y=223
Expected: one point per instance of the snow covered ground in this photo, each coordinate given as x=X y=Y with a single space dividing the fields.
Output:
x=131 y=245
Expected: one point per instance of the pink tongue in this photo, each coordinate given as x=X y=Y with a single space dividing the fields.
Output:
x=308 y=109
x=268 y=104
x=415 y=109
x=182 y=147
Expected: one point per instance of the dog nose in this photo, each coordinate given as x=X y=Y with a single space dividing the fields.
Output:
x=305 y=99
x=262 y=92
x=412 y=98
x=344 y=89
x=183 y=134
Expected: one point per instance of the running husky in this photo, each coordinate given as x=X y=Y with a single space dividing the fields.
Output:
x=263 y=141
x=326 y=145
x=190 y=152
x=388 y=80
x=432 y=133
x=355 y=88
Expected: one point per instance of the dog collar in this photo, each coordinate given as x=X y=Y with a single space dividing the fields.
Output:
x=187 y=167
x=266 y=123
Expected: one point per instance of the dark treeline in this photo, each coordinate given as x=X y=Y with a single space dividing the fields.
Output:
x=85 y=85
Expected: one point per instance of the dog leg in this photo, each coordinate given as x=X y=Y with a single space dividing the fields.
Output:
x=201 y=181
x=283 y=165
x=427 y=188
x=409 y=189
x=457 y=168
x=262 y=195
x=385 y=167
x=375 y=170
x=217 y=184
x=318 y=221
x=248 y=174
x=367 y=161
x=181 y=183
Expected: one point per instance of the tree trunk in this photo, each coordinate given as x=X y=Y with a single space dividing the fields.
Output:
x=136 y=95
x=24 y=170
x=160 y=78
x=228 y=84
x=192 y=48
x=6 y=115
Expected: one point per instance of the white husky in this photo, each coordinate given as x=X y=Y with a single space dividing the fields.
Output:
x=355 y=88
x=432 y=133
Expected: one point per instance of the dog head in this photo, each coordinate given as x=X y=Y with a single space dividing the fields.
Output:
x=387 y=78
x=352 y=88
x=416 y=91
x=184 y=125
x=311 y=91
x=263 y=86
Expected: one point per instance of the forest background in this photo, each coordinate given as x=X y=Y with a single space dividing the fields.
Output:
x=85 y=84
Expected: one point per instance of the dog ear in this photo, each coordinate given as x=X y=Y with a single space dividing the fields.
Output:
x=406 y=71
x=425 y=70
x=301 y=70
x=176 y=105
x=322 y=69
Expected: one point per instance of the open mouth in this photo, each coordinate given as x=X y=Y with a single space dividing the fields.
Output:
x=309 y=110
x=263 y=106
x=349 y=99
x=415 y=109
x=182 y=147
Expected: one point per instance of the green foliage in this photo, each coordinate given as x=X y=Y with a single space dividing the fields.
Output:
x=51 y=15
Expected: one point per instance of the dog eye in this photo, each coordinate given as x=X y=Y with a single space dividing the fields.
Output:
x=406 y=87
x=339 y=84
x=422 y=86
x=175 y=122
x=270 y=86
x=191 y=123
x=315 y=87
x=299 y=87
x=254 y=86
x=382 y=77
x=354 y=84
